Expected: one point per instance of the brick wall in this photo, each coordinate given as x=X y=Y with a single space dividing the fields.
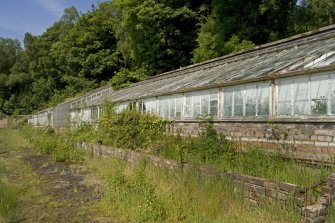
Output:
x=314 y=141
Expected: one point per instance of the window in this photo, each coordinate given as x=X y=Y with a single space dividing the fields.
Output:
x=301 y=96
x=228 y=102
x=284 y=101
x=121 y=107
x=308 y=95
x=213 y=102
x=319 y=95
x=94 y=113
x=170 y=106
x=147 y=106
x=247 y=100
x=332 y=94
x=201 y=102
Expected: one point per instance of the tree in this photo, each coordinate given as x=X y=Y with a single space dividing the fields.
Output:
x=89 y=50
x=238 y=24
x=9 y=50
x=313 y=14
x=157 y=35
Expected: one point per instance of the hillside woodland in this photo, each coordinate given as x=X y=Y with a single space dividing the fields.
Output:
x=120 y=42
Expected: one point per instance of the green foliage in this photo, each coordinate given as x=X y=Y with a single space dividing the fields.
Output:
x=135 y=190
x=210 y=145
x=125 y=77
x=143 y=193
x=61 y=148
x=157 y=35
x=129 y=129
x=313 y=14
x=8 y=200
x=9 y=50
x=8 y=197
x=235 y=25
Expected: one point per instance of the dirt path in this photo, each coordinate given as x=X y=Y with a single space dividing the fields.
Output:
x=52 y=191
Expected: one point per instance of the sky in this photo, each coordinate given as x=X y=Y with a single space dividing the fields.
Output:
x=20 y=16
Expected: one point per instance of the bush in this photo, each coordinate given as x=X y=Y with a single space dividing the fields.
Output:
x=130 y=129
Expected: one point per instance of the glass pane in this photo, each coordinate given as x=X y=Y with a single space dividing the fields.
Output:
x=214 y=108
x=164 y=107
x=214 y=102
x=319 y=95
x=196 y=104
x=228 y=102
x=301 y=96
x=332 y=94
x=263 y=95
x=150 y=106
x=205 y=102
x=238 y=102
x=250 y=100
x=178 y=106
x=284 y=106
x=141 y=106
x=188 y=106
x=172 y=107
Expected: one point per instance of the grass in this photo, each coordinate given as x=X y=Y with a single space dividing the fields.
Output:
x=143 y=193
x=147 y=194
x=61 y=147
x=8 y=193
x=253 y=162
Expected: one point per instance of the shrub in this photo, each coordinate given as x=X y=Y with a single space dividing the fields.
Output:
x=130 y=129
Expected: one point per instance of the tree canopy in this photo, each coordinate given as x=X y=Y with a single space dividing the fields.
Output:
x=120 y=42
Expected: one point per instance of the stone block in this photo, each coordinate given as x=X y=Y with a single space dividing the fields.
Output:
x=315 y=211
x=256 y=181
x=321 y=144
x=328 y=139
x=258 y=191
x=321 y=138
x=314 y=220
x=331 y=181
x=324 y=132
x=290 y=188
x=325 y=200
x=271 y=185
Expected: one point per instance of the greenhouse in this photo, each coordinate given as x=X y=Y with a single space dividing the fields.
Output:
x=289 y=83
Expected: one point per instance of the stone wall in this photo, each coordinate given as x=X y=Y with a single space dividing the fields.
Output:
x=254 y=189
x=313 y=141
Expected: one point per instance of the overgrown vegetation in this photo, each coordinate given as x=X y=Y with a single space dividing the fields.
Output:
x=129 y=129
x=146 y=194
x=8 y=192
x=8 y=197
x=143 y=193
x=61 y=147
